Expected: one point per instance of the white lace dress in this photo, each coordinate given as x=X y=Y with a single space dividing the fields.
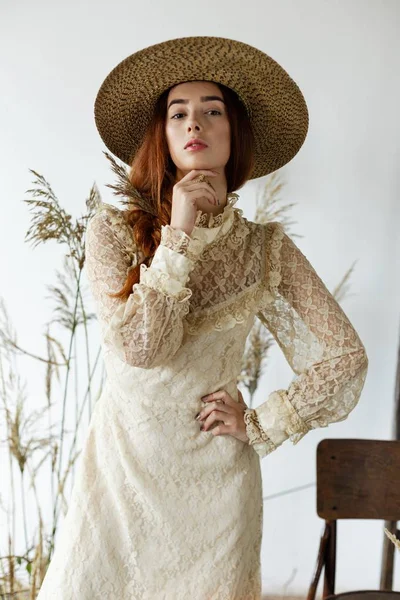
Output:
x=161 y=510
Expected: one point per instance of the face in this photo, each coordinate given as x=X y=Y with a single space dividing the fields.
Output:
x=190 y=114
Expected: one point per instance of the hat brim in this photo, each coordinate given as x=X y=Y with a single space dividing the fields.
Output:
x=275 y=105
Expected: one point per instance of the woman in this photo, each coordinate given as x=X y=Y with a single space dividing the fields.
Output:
x=167 y=502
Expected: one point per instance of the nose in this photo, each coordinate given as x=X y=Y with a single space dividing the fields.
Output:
x=193 y=125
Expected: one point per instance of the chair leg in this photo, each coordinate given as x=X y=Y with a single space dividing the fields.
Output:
x=387 y=565
x=330 y=563
x=320 y=563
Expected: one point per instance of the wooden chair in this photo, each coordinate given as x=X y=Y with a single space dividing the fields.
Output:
x=356 y=479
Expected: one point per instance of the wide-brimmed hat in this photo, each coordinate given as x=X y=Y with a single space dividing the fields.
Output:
x=275 y=105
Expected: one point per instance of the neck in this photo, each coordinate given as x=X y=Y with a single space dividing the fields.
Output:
x=216 y=209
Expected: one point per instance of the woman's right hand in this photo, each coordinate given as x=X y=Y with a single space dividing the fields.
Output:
x=185 y=195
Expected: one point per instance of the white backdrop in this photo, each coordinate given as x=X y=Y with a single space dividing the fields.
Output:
x=345 y=57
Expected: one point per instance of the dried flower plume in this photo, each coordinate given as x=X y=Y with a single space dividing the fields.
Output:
x=126 y=189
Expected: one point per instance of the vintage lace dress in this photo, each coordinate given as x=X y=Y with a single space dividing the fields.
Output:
x=160 y=509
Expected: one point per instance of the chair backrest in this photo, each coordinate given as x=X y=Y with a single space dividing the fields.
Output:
x=358 y=479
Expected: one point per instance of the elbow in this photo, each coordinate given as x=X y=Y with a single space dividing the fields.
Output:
x=360 y=372
x=362 y=358
x=350 y=395
x=365 y=360
x=344 y=395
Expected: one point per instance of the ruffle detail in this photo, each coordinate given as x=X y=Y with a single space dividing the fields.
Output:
x=278 y=418
x=227 y=315
x=161 y=281
x=208 y=220
x=258 y=439
x=179 y=241
x=254 y=431
x=276 y=233
x=234 y=223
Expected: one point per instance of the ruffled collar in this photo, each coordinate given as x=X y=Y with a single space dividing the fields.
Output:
x=209 y=227
x=208 y=220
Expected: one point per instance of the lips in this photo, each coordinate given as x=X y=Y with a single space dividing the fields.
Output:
x=196 y=147
x=196 y=142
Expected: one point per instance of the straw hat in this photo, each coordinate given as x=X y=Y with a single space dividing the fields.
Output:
x=275 y=105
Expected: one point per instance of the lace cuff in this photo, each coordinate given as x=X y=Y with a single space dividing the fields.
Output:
x=257 y=436
x=179 y=241
x=172 y=262
x=279 y=419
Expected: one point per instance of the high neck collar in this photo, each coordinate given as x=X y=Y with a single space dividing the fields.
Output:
x=208 y=220
x=209 y=227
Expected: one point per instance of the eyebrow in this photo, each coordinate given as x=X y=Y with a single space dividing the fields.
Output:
x=202 y=98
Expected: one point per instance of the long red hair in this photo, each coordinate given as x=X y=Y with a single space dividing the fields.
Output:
x=153 y=174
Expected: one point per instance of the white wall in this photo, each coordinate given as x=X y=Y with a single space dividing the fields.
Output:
x=344 y=56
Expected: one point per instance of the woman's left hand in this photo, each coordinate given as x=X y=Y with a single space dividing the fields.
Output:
x=222 y=407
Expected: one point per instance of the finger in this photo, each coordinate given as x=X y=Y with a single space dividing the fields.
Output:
x=218 y=395
x=215 y=406
x=196 y=172
x=216 y=415
x=221 y=429
x=195 y=185
x=206 y=193
x=203 y=185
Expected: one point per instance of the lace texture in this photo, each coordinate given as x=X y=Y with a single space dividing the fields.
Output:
x=149 y=482
x=179 y=241
x=227 y=281
x=211 y=280
x=318 y=341
x=148 y=328
x=209 y=220
x=258 y=438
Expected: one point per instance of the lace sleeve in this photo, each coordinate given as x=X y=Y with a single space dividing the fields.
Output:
x=319 y=343
x=146 y=329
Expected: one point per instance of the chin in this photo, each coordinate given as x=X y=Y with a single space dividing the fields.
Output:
x=199 y=161
x=187 y=168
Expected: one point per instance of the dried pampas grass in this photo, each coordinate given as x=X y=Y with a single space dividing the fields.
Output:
x=393 y=538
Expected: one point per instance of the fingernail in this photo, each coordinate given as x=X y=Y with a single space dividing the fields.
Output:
x=197 y=416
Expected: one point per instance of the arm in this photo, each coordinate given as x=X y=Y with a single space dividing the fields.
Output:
x=319 y=343
x=146 y=329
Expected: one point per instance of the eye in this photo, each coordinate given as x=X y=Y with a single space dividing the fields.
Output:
x=212 y=110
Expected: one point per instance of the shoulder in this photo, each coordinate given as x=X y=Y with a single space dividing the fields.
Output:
x=272 y=232
x=108 y=223
x=274 y=236
x=105 y=214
